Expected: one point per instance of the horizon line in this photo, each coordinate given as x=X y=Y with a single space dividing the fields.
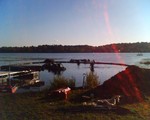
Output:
x=74 y=45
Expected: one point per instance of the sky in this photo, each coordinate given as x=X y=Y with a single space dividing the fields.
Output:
x=73 y=22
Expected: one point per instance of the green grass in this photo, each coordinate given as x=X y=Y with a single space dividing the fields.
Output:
x=141 y=109
x=33 y=106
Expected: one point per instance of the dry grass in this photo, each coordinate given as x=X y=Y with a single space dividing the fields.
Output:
x=33 y=106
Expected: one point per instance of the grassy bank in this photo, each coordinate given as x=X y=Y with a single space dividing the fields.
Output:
x=133 y=83
x=34 y=106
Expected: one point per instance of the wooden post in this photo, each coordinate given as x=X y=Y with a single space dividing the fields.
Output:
x=92 y=65
x=84 y=76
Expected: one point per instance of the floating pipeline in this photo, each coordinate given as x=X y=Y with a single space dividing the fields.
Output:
x=53 y=67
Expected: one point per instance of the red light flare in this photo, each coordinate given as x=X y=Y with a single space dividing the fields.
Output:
x=136 y=91
x=129 y=85
x=107 y=21
x=130 y=79
x=110 y=33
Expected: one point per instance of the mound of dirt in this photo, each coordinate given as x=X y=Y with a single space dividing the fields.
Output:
x=133 y=84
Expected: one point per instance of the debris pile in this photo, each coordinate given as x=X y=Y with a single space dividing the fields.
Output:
x=132 y=83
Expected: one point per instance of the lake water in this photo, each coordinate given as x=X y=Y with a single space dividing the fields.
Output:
x=73 y=70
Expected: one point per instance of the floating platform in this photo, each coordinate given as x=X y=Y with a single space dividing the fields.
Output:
x=20 y=67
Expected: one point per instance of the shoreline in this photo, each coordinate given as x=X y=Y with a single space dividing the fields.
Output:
x=34 y=104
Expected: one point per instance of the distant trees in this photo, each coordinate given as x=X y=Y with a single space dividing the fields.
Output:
x=120 y=47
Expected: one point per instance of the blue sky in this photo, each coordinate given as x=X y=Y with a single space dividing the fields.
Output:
x=73 y=22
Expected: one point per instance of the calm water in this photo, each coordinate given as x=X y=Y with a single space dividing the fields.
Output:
x=72 y=70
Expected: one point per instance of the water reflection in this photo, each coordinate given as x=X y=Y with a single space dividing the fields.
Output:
x=73 y=70
x=104 y=72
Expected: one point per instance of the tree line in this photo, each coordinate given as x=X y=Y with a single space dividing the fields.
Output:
x=119 y=47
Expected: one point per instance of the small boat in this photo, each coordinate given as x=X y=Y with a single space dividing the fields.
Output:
x=36 y=83
x=139 y=54
x=5 y=83
x=8 y=88
x=12 y=81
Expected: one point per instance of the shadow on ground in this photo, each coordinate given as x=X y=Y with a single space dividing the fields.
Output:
x=90 y=109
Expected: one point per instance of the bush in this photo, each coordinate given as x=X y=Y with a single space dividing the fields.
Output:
x=61 y=82
x=92 y=80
